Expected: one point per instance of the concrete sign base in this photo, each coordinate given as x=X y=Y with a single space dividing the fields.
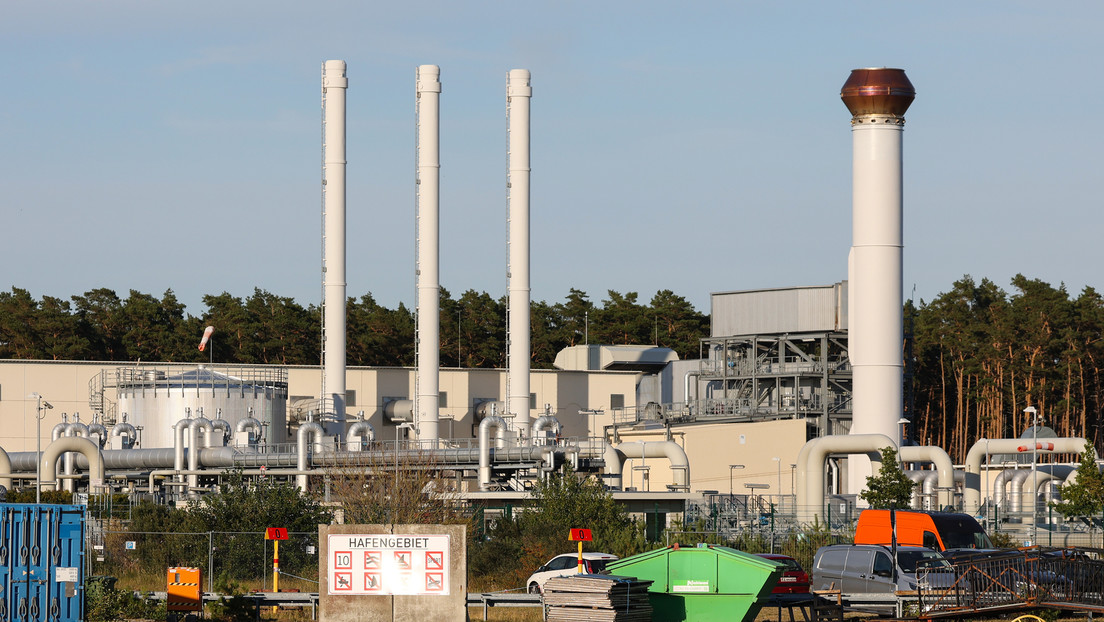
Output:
x=403 y=573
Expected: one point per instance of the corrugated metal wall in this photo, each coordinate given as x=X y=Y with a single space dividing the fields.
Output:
x=41 y=562
x=772 y=311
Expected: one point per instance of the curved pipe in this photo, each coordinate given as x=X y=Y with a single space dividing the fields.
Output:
x=810 y=460
x=499 y=424
x=5 y=470
x=1046 y=473
x=59 y=429
x=971 y=492
x=1016 y=485
x=917 y=477
x=363 y=432
x=615 y=463
x=223 y=426
x=194 y=445
x=251 y=427
x=178 y=446
x=66 y=444
x=80 y=430
x=542 y=423
x=306 y=431
x=680 y=464
x=943 y=466
x=999 y=485
x=127 y=431
x=489 y=408
x=100 y=431
x=686 y=387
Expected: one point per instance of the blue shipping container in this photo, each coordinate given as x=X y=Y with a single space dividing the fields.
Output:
x=41 y=562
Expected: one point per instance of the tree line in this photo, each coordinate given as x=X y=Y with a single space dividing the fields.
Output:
x=981 y=355
x=265 y=328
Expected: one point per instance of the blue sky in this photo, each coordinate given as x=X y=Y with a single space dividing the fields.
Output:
x=696 y=147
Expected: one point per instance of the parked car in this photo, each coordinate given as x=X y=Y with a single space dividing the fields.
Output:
x=567 y=564
x=794 y=579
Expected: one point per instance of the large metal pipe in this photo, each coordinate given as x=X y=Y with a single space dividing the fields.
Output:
x=80 y=430
x=359 y=435
x=5 y=470
x=971 y=492
x=518 y=94
x=877 y=99
x=306 y=432
x=251 y=427
x=178 y=446
x=100 y=431
x=810 y=467
x=675 y=454
x=126 y=431
x=334 y=85
x=943 y=465
x=427 y=261
x=540 y=425
x=1000 y=482
x=499 y=424
x=48 y=465
x=1016 y=483
x=200 y=424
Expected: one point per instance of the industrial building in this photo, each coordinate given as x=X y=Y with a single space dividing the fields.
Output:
x=795 y=392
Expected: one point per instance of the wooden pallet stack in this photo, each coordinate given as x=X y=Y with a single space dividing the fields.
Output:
x=597 y=598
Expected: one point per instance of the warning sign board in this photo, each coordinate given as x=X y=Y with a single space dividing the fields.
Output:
x=391 y=564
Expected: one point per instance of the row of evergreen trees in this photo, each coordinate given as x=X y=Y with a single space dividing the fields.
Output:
x=269 y=329
x=982 y=355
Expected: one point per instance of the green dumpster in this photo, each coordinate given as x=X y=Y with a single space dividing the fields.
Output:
x=702 y=583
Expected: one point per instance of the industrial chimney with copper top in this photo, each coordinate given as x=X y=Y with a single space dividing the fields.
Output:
x=877 y=99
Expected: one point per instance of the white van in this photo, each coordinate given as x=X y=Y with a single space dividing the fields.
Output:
x=869 y=569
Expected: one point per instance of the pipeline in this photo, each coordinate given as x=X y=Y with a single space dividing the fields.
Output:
x=363 y=432
x=199 y=424
x=48 y=465
x=306 y=431
x=943 y=465
x=810 y=462
x=126 y=430
x=252 y=428
x=971 y=493
x=675 y=454
x=499 y=424
x=542 y=423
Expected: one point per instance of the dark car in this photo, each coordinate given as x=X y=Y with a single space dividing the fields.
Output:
x=794 y=579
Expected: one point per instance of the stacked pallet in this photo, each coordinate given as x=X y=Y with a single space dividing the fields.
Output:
x=598 y=598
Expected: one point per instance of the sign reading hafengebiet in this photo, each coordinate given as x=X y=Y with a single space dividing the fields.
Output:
x=388 y=564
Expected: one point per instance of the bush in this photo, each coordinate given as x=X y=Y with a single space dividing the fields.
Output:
x=102 y=602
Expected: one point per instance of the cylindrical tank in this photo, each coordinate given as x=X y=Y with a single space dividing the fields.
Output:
x=157 y=399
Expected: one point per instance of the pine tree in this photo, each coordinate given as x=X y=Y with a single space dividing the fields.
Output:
x=890 y=488
x=1084 y=496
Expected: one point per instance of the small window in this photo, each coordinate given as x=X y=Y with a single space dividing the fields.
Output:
x=442 y=399
x=930 y=541
x=350 y=398
x=617 y=400
x=883 y=565
x=532 y=401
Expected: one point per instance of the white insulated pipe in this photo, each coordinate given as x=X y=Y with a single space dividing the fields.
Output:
x=499 y=424
x=307 y=431
x=334 y=86
x=675 y=454
x=48 y=465
x=944 y=468
x=877 y=99
x=971 y=490
x=5 y=470
x=542 y=423
x=428 y=264
x=197 y=425
x=810 y=467
x=359 y=435
x=518 y=95
x=251 y=427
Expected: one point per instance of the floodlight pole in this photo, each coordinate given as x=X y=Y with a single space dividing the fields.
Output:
x=39 y=405
x=1031 y=412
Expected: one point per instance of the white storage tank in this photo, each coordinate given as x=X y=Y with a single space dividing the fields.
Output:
x=156 y=398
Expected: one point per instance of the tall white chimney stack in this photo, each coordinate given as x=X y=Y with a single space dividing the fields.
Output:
x=334 y=85
x=877 y=99
x=427 y=263
x=518 y=94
